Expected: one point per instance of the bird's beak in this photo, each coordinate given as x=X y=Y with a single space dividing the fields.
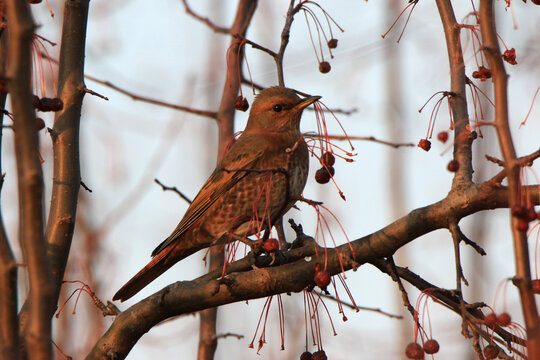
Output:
x=306 y=102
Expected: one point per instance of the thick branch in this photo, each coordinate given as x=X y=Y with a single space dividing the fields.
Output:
x=207 y=292
x=65 y=136
x=500 y=79
x=9 y=327
x=30 y=180
x=458 y=101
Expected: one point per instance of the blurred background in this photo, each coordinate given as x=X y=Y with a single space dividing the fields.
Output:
x=154 y=49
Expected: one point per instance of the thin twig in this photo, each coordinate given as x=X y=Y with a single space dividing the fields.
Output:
x=174 y=189
x=208 y=22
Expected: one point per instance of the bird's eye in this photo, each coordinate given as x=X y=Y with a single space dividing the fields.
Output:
x=277 y=108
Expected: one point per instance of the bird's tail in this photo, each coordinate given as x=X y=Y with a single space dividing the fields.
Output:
x=166 y=258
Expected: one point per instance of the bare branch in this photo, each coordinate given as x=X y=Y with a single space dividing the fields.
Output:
x=204 y=20
x=37 y=331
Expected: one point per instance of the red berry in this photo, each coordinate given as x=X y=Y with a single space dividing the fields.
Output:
x=504 y=319
x=490 y=320
x=483 y=73
x=510 y=55
x=323 y=175
x=491 y=352
x=241 y=103
x=306 y=355
x=332 y=43
x=414 y=351
x=319 y=355
x=530 y=214
x=425 y=144
x=522 y=225
x=536 y=286
x=40 y=123
x=322 y=278
x=536 y=2
x=34 y=1
x=328 y=159
x=271 y=245
x=518 y=211
x=324 y=67
x=442 y=136
x=453 y=166
x=431 y=346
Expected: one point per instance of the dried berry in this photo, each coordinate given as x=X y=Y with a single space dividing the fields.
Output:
x=522 y=225
x=442 y=136
x=491 y=352
x=306 y=355
x=271 y=245
x=241 y=103
x=34 y=1
x=40 y=123
x=490 y=320
x=328 y=159
x=319 y=355
x=504 y=319
x=510 y=56
x=324 y=67
x=332 y=43
x=530 y=214
x=322 y=278
x=536 y=286
x=431 y=346
x=48 y=104
x=323 y=175
x=414 y=351
x=453 y=166
x=483 y=73
x=425 y=144
x=518 y=211
x=536 y=2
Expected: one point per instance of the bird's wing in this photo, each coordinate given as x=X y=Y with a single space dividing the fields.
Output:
x=245 y=153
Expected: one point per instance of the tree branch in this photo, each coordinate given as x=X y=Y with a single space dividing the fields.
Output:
x=500 y=79
x=30 y=181
x=211 y=291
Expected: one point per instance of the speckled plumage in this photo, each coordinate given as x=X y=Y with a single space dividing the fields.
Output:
x=257 y=181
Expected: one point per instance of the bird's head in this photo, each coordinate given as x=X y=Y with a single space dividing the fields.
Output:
x=278 y=108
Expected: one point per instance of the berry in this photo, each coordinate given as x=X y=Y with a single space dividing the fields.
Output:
x=241 y=103
x=431 y=346
x=40 y=123
x=510 y=55
x=522 y=225
x=483 y=73
x=48 y=104
x=442 y=136
x=324 y=67
x=322 y=278
x=319 y=355
x=306 y=355
x=453 y=166
x=536 y=286
x=490 y=320
x=271 y=245
x=34 y=1
x=518 y=211
x=536 y=2
x=323 y=175
x=332 y=43
x=491 y=352
x=530 y=214
x=425 y=144
x=504 y=319
x=414 y=351
x=328 y=159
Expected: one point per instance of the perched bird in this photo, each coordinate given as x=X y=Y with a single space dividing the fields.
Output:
x=259 y=178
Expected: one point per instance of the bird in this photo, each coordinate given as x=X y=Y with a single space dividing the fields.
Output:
x=257 y=181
